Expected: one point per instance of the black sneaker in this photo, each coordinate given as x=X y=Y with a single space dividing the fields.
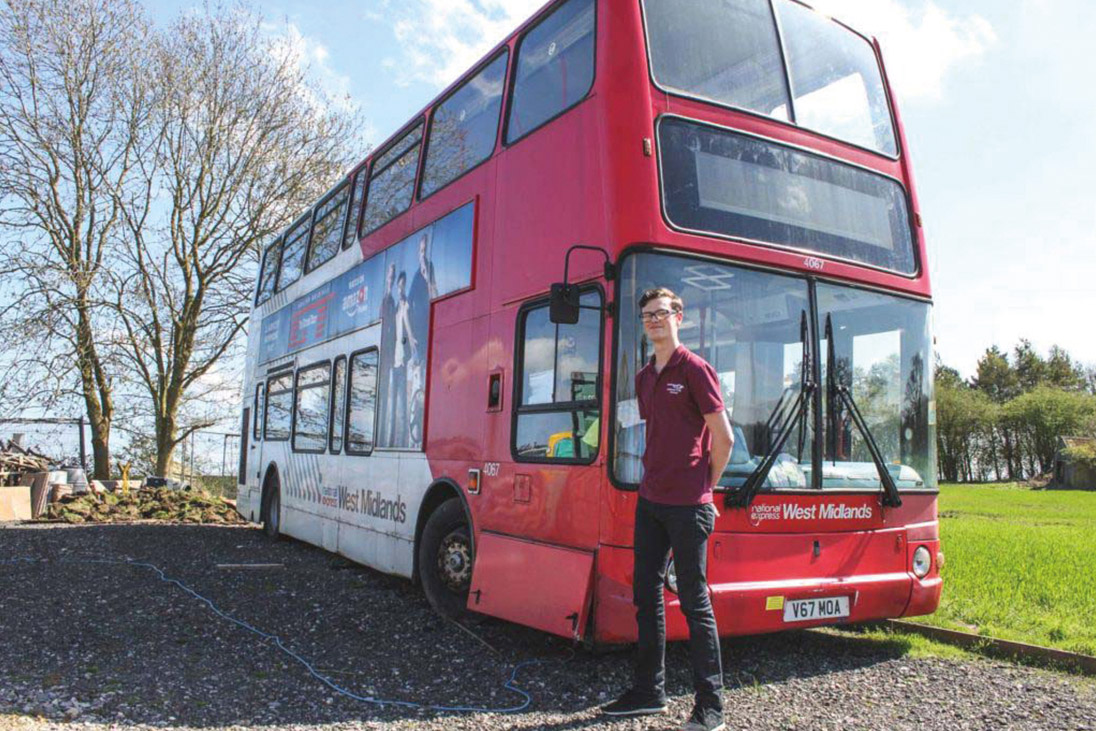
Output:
x=636 y=703
x=704 y=718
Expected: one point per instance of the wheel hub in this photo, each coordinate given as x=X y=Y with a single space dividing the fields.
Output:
x=455 y=562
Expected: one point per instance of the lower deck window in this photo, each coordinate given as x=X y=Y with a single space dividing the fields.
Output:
x=279 y=406
x=338 y=404
x=311 y=408
x=362 y=406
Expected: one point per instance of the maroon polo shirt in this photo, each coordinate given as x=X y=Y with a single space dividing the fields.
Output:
x=677 y=459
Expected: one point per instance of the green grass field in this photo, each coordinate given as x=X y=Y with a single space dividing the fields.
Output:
x=1020 y=564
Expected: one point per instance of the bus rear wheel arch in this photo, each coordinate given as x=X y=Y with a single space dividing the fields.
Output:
x=270 y=510
x=446 y=556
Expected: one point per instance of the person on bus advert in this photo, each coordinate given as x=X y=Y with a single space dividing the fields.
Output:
x=688 y=443
x=388 y=350
x=405 y=346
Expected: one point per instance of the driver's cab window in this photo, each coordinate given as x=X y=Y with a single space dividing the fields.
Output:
x=557 y=405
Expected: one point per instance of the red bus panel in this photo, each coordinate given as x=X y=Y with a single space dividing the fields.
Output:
x=535 y=584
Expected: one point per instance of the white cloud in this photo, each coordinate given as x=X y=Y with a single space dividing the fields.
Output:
x=312 y=57
x=441 y=39
x=922 y=43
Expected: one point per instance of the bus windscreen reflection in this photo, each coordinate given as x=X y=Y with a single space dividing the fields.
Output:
x=764 y=336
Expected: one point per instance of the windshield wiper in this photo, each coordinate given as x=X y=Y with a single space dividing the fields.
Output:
x=834 y=390
x=744 y=495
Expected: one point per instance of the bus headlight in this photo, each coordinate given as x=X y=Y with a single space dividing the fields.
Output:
x=922 y=562
x=671 y=575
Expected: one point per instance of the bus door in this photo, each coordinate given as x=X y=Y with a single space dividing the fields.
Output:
x=245 y=425
x=535 y=553
x=252 y=458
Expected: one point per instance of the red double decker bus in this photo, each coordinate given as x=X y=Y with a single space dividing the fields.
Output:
x=422 y=400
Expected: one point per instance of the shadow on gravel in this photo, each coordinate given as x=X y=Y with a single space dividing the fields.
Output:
x=115 y=644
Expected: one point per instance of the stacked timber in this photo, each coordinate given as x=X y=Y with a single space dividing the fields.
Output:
x=16 y=460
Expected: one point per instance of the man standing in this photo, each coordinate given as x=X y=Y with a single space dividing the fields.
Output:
x=688 y=444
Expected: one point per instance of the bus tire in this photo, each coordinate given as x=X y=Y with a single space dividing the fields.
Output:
x=271 y=511
x=445 y=559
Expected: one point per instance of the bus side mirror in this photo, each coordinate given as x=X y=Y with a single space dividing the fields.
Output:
x=563 y=306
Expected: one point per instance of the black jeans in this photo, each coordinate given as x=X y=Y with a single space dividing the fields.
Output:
x=685 y=529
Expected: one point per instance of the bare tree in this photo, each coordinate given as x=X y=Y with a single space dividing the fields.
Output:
x=73 y=109
x=244 y=143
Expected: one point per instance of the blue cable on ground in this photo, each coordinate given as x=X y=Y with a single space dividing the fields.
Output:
x=508 y=685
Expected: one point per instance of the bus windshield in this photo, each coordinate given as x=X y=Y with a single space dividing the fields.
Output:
x=752 y=326
x=736 y=53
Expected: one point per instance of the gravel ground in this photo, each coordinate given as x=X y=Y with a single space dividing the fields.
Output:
x=111 y=645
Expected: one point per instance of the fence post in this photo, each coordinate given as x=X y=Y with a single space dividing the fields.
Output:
x=83 y=449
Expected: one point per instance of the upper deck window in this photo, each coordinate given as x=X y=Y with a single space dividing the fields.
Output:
x=730 y=53
x=326 y=230
x=726 y=52
x=296 y=241
x=392 y=181
x=464 y=127
x=350 y=236
x=555 y=67
x=836 y=84
x=268 y=276
x=717 y=181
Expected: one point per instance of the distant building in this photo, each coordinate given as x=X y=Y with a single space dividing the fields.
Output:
x=1070 y=472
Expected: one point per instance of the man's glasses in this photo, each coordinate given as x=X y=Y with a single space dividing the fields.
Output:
x=656 y=316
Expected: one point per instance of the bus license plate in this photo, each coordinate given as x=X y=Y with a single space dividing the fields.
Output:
x=805 y=610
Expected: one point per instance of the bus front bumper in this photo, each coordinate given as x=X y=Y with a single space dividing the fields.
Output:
x=759 y=607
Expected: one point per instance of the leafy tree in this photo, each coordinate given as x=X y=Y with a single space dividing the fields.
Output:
x=964 y=415
x=243 y=143
x=140 y=170
x=1031 y=369
x=946 y=375
x=1043 y=415
x=1061 y=372
x=995 y=376
x=74 y=106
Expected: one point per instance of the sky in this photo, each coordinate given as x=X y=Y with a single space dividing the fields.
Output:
x=993 y=94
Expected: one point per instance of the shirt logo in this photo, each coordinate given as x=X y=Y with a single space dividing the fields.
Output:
x=675 y=388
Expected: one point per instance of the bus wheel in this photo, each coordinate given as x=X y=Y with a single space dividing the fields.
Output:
x=445 y=559
x=271 y=512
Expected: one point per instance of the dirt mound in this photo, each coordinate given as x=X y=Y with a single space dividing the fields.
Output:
x=1039 y=482
x=176 y=506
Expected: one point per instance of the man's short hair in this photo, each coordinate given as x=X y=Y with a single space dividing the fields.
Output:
x=652 y=294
